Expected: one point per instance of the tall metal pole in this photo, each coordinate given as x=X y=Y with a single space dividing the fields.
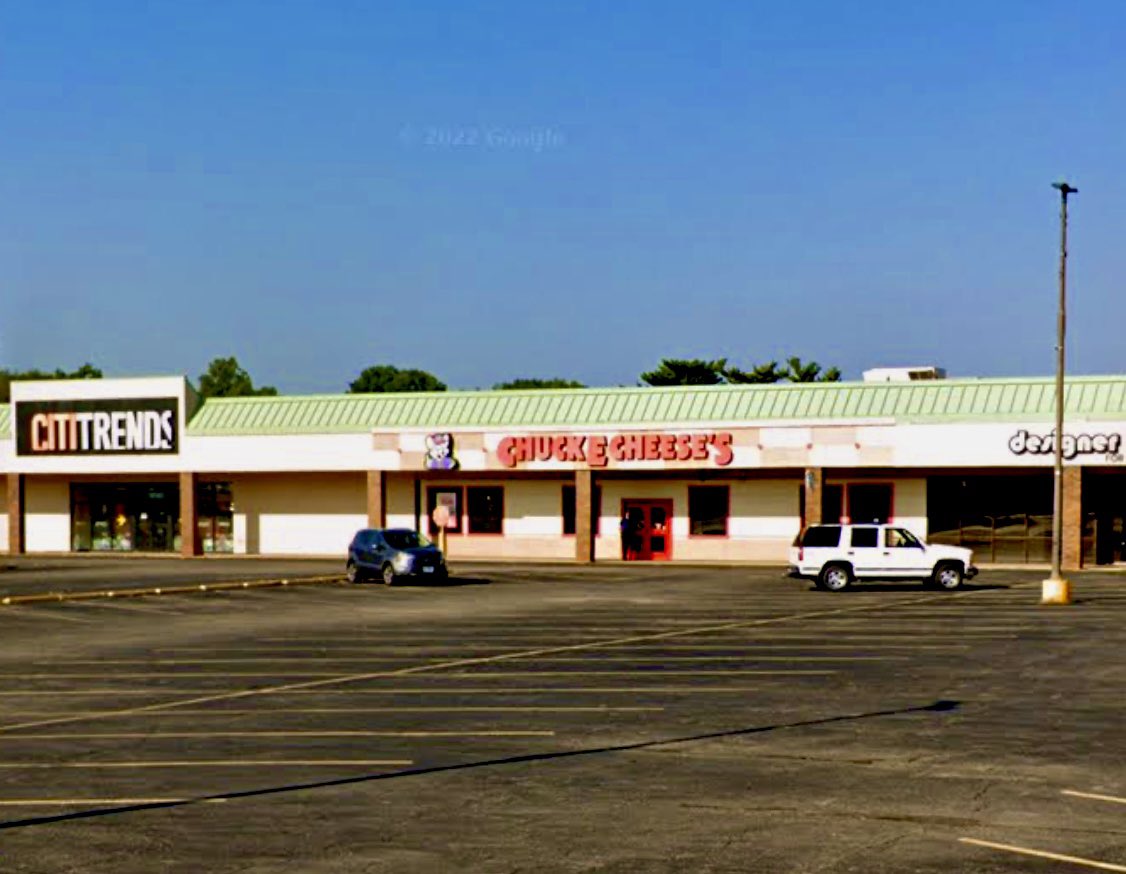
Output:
x=1057 y=590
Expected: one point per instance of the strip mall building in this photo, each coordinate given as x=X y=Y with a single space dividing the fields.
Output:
x=717 y=473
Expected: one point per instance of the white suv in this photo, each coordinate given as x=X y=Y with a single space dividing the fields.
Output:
x=836 y=555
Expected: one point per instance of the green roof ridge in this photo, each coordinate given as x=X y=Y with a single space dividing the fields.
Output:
x=957 y=399
x=1090 y=397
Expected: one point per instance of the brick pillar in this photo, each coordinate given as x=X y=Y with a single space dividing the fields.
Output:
x=1072 y=557
x=584 y=527
x=377 y=499
x=15 y=513
x=812 y=482
x=189 y=517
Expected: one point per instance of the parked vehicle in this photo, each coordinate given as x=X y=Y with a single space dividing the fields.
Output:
x=835 y=556
x=389 y=554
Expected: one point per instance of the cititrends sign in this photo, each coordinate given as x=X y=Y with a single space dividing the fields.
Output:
x=125 y=426
x=598 y=450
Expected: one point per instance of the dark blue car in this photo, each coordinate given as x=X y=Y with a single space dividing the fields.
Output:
x=392 y=553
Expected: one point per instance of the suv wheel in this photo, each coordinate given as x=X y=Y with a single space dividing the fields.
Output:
x=353 y=573
x=834 y=578
x=388 y=575
x=947 y=575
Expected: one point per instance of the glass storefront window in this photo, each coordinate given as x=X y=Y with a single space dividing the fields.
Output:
x=1001 y=518
x=124 y=517
x=215 y=525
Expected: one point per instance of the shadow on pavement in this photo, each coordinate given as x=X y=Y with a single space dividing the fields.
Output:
x=940 y=706
x=453 y=580
x=912 y=587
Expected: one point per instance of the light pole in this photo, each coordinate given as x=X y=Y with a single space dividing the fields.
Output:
x=1057 y=590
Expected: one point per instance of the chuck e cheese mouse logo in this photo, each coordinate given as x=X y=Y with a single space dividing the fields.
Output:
x=598 y=450
x=440 y=452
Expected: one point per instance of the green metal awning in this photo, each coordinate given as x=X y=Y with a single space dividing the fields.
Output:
x=952 y=400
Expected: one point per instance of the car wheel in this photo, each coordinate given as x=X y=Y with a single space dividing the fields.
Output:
x=353 y=573
x=388 y=575
x=834 y=578
x=948 y=575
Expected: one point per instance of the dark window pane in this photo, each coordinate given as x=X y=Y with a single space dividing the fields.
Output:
x=832 y=504
x=822 y=535
x=448 y=496
x=1000 y=517
x=869 y=502
x=485 y=507
x=707 y=510
x=568 y=509
x=865 y=537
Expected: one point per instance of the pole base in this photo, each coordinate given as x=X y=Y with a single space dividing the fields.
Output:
x=1055 y=590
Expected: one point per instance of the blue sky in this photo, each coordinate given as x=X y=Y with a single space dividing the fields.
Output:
x=489 y=190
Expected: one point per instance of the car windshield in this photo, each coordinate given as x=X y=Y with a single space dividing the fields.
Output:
x=901 y=537
x=405 y=539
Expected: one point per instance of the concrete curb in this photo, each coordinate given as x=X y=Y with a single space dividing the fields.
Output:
x=201 y=588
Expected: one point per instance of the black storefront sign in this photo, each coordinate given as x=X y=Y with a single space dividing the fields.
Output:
x=119 y=426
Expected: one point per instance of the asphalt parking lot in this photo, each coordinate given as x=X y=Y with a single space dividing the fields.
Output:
x=613 y=719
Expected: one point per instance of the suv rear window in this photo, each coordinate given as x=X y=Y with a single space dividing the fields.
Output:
x=821 y=535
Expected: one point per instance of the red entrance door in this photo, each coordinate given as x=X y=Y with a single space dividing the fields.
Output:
x=647 y=531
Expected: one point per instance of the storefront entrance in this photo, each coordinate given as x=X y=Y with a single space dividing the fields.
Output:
x=646 y=530
x=1104 y=518
x=125 y=517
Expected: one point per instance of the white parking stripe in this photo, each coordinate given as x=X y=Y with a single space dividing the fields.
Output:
x=597 y=708
x=457 y=690
x=1114 y=799
x=89 y=802
x=221 y=763
x=643 y=672
x=320 y=658
x=158 y=735
x=520 y=654
x=1042 y=854
x=34 y=613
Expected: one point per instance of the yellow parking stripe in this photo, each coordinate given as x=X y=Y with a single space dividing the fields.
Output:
x=1114 y=799
x=1042 y=854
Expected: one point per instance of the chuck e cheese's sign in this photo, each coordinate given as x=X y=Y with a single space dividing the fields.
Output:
x=599 y=450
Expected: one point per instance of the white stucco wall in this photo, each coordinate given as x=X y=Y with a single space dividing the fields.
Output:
x=400 y=502
x=911 y=504
x=298 y=514
x=3 y=532
x=46 y=515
